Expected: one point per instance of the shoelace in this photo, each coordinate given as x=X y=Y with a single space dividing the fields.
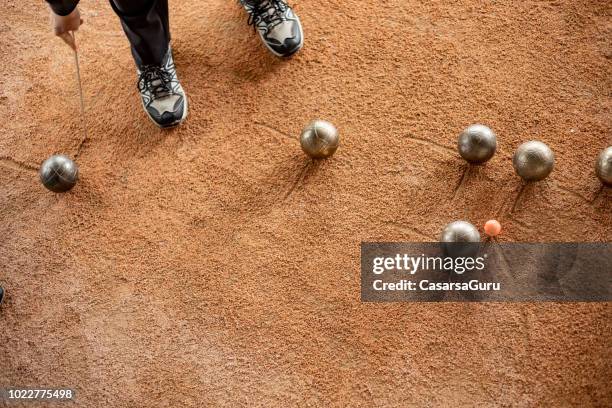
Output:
x=268 y=11
x=156 y=81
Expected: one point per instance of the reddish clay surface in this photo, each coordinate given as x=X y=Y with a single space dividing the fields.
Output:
x=213 y=265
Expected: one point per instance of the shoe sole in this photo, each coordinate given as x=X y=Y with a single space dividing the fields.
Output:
x=173 y=124
x=299 y=47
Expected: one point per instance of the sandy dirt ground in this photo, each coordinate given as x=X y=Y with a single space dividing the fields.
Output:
x=214 y=265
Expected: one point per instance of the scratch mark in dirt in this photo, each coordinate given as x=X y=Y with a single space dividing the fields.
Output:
x=16 y=164
x=597 y=194
x=409 y=231
x=80 y=147
x=274 y=130
x=297 y=181
x=437 y=146
x=571 y=192
x=500 y=211
x=520 y=223
x=518 y=198
x=462 y=180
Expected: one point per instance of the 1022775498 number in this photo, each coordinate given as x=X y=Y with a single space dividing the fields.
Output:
x=37 y=394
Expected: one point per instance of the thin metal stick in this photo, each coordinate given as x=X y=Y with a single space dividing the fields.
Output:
x=82 y=100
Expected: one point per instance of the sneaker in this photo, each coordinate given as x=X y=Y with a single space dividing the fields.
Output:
x=279 y=28
x=1 y=295
x=162 y=96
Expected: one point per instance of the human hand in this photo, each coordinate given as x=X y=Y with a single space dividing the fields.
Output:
x=64 y=26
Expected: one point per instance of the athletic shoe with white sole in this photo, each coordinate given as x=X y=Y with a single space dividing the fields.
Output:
x=162 y=96
x=278 y=26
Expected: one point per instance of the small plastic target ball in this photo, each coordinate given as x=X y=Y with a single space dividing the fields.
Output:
x=59 y=173
x=492 y=228
x=319 y=139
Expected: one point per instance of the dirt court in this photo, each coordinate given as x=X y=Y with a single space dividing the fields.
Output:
x=214 y=265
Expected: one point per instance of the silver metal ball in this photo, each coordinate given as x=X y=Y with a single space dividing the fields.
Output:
x=59 y=173
x=460 y=232
x=533 y=161
x=603 y=167
x=319 y=139
x=477 y=144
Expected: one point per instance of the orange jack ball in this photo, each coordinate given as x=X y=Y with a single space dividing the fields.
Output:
x=492 y=228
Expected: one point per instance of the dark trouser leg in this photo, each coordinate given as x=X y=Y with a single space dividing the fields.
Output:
x=146 y=26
